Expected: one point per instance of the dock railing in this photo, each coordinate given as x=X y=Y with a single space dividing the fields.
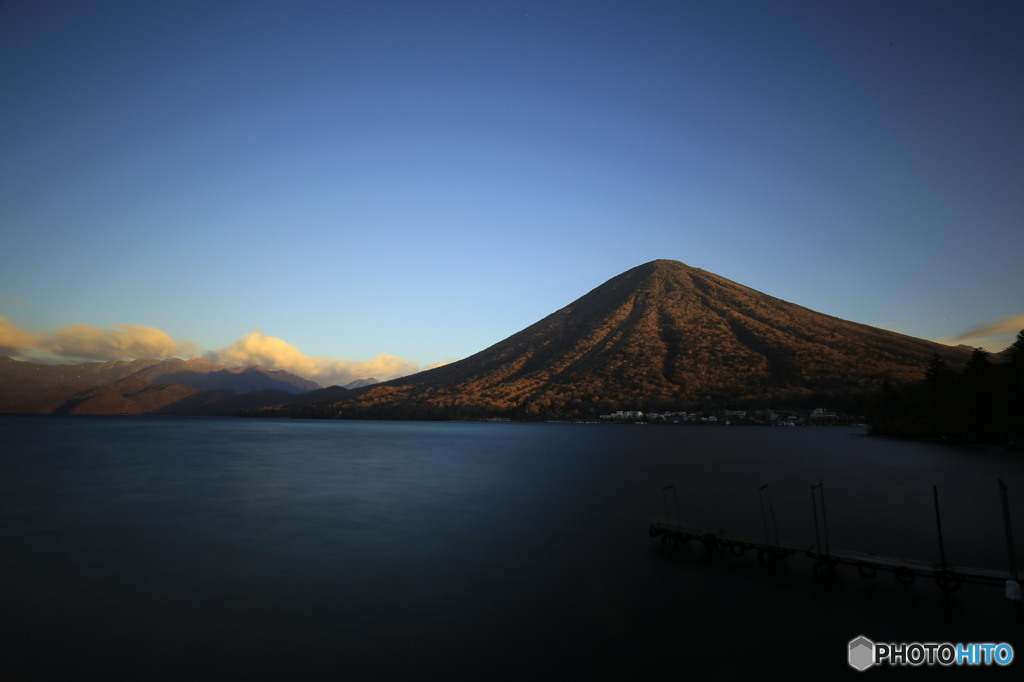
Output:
x=673 y=533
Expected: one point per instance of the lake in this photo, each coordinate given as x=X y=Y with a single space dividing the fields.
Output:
x=138 y=548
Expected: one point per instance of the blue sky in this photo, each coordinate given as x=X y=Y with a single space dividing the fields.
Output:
x=326 y=182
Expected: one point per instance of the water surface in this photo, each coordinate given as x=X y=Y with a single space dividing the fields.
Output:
x=187 y=548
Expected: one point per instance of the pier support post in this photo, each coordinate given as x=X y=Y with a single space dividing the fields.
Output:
x=820 y=488
x=938 y=523
x=771 y=509
x=675 y=498
x=1013 y=591
x=1008 y=528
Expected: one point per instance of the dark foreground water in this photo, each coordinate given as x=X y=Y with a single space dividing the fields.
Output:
x=214 y=549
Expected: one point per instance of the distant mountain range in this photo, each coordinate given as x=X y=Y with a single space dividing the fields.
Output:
x=359 y=383
x=662 y=336
x=172 y=386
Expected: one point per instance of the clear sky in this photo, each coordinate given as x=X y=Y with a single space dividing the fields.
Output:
x=356 y=189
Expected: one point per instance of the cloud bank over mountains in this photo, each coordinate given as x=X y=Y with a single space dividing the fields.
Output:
x=124 y=341
x=84 y=343
x=274 y=353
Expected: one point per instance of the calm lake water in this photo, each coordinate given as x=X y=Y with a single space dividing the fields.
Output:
x=214 y=549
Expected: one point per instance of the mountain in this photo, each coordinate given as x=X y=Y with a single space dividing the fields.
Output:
x=141 y=387
x=359 y=383
x=131 y=395
x=661 y=336
x=205 y=375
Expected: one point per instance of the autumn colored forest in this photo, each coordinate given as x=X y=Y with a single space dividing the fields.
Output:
x=663 y=336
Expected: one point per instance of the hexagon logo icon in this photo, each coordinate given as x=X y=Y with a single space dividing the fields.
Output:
x=862 y=653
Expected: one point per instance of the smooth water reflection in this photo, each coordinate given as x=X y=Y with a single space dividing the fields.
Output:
x=143 y=548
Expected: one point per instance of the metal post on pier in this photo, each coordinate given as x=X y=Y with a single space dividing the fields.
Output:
x=1013 y=591
x=1009 y=530
x=761 y=492
x=818 y=535
x=938 y=524
x=946 y=579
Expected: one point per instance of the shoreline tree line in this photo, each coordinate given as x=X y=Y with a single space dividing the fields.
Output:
x=980 y=402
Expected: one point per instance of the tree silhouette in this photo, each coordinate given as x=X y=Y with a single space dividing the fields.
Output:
x=983 y=401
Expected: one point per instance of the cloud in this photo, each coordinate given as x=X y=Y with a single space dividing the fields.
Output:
x=123 y=342
x=14 y=339
x=82 y=342
x=274 y=353
x=79 y=342
x=995 y=332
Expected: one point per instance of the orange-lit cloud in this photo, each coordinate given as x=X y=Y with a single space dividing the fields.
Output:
x=274 y=353
x=83 y=342
x=123 y=342
x=14 y=339
x=998 y=333
x=80 y=342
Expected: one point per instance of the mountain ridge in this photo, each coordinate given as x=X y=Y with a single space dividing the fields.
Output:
x=662 y=335
x=138 y=386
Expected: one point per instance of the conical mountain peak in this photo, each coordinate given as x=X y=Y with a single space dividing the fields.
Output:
x=662 y=335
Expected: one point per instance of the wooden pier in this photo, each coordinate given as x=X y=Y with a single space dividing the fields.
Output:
x=769 y=549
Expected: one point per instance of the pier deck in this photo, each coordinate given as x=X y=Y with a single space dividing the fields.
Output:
x=674 y=533
x=868 y=565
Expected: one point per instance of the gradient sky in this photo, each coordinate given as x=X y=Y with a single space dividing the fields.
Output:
x=325 y=182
